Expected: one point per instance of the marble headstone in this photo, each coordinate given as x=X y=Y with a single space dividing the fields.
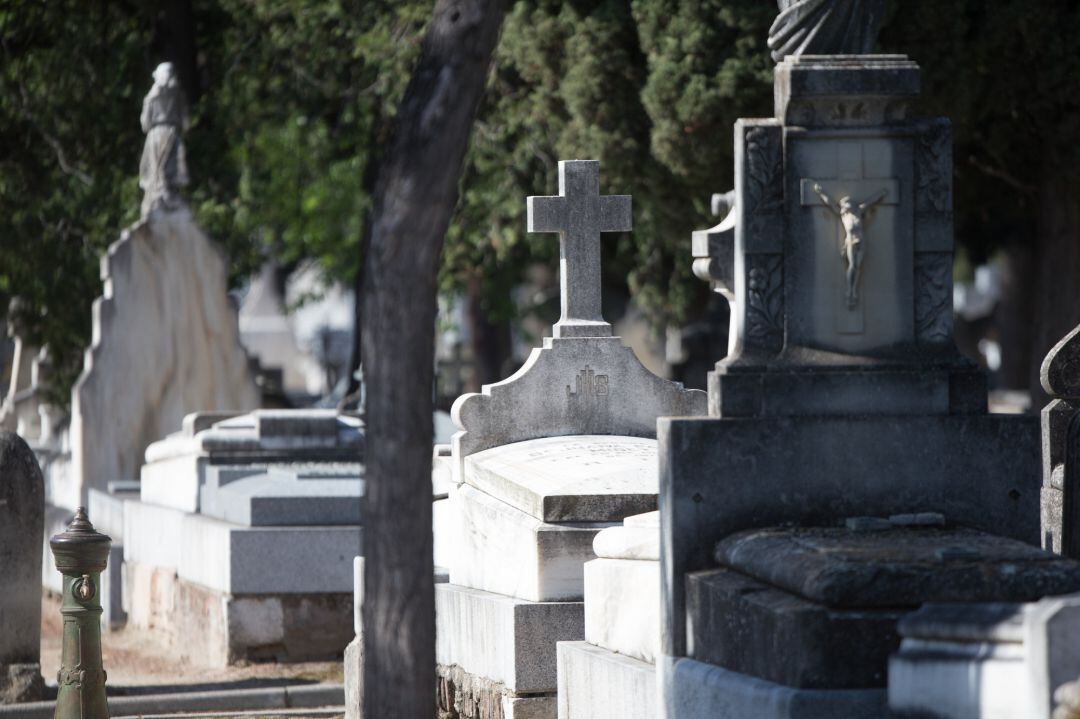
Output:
x=542 y=461
x=582 y=380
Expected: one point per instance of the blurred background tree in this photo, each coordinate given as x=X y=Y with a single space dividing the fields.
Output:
x=291 y=108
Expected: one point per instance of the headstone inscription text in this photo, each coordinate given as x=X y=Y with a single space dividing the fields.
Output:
x=592 y=451
x=588 y=384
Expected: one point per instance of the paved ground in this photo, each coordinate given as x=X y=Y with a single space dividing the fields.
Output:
x=136 y=665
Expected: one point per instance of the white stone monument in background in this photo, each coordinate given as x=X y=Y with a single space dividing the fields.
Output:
x=165 y=340
x=544 y=460
x=240 y=544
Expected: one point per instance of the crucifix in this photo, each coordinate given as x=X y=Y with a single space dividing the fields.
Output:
x=852 y=214
x=579 y=213
x=850 y=198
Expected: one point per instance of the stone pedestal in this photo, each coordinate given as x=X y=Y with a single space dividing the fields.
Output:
x=164 y=314
x=612 y=673
x=241 y=546
x=517 y=578
x=843 y=403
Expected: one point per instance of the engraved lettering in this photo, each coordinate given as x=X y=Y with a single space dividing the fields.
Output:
x=588 y=384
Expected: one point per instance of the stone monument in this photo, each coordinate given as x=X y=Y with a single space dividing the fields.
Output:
x=164 y=119
x=14 y=409
x=1007 y=659
x=165 y=336
x=22 y=506
x=984 y=661
x=543 y=461
x=849 y=471
x=825 y=27
x=240 y=546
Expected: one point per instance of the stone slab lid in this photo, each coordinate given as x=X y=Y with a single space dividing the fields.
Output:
x=265 y=435
x=285 y=495
x=898 y=567
x=577 y=478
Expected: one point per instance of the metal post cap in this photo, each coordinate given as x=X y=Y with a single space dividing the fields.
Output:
x=80 y=549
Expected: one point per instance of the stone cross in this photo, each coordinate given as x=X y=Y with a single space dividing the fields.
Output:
x=579 y=214
x=862 y=194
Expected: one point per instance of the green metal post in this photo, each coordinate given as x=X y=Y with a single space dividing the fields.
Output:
x=81 y=554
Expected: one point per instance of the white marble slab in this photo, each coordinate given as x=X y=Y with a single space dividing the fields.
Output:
x=579 y=478
x=628 y=542
x=622 y=606
x=502 y=549
x=503 y=639
x=595 y=683
x=175 y=468
x=236 y=559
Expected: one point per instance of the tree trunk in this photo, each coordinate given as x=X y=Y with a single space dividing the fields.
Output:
x=181 y=47
x=1013 y=315
x=1058 y=256
x=415 y=196
x=491 y=343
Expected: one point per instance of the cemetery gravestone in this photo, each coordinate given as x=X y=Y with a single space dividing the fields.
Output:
x=22 y=506
x=241 y=544
x=543 y=461
x=843 y=409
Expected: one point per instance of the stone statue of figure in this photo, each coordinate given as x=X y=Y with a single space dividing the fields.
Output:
x=851 y=216
x=163 y=169
x=825 y=27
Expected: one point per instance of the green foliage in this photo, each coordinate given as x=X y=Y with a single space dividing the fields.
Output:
x=70 y=78
x=1006 y=74
x=295 y=106
x=299 y=110
x=651 y=88
x=297 y=100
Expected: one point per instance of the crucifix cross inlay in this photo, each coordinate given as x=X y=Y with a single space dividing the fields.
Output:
x=851 y=198
x=579 y=213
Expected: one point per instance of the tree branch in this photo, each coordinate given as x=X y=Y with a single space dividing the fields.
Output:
x=1002 y=175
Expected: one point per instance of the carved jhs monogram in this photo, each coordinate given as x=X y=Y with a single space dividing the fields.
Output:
x=588 y=384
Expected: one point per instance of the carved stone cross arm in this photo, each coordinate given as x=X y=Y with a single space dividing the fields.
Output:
x=579 y=213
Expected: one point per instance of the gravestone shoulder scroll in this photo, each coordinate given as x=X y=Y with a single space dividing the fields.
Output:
x=582 y=381
x=22 y=507
x=1060 y=375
